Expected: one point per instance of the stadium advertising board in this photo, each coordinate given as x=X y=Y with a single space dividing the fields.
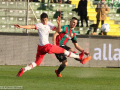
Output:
x=21 y=50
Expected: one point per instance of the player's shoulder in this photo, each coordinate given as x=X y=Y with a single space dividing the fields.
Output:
x=49 y=23
x=39 y=24
x=64 y=26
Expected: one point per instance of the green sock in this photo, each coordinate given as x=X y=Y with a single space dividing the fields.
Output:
x=61 y=67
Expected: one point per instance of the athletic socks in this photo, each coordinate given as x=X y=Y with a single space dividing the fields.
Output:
x=76 y=58
x=30 y=66
x=75 y=52
x=70 y=54
x=61 y=67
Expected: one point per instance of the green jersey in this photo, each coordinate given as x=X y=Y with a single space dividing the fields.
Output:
x=65 y=35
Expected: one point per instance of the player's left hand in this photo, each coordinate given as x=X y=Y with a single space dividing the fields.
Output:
x=87 y=53
x=59 y=20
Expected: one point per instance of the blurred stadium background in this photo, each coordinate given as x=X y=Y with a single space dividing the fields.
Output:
x=24 y=12
x=18 y=46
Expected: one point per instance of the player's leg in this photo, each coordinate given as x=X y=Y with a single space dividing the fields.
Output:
x=71 y=50
x=59 y=50
x=84 y=60
x=61 y=68
x=39 y=59
x=31 y=65
x=62 y=58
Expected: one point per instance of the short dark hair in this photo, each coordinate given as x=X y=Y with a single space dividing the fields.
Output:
x=74 y=18
x=43 y=15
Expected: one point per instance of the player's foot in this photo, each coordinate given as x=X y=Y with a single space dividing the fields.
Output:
x=85 y=60
x=58 y=75
x=20 y=72
x=81 y=55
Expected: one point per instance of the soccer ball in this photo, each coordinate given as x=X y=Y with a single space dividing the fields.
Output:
x=105 y=27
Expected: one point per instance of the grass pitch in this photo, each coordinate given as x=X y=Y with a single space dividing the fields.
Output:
x=74 y=78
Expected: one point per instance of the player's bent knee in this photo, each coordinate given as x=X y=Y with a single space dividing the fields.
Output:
x=65 y=63
x=38 y=60
x=37 y=63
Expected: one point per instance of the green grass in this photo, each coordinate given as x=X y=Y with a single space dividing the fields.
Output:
x=74 y=78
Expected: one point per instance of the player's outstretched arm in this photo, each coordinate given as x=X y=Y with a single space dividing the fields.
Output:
x=80 y=49
x=58 y=29
x=54 y=37
x=25 y=27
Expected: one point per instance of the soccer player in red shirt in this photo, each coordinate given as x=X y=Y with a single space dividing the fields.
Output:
x=44 y=46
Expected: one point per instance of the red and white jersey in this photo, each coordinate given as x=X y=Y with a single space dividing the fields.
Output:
x=43 y=31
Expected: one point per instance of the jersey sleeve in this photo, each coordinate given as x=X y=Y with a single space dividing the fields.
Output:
x=37 y=26
x=74 y=39
x=52 y=27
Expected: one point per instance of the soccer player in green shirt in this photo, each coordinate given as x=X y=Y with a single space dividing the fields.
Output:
x=61 y=40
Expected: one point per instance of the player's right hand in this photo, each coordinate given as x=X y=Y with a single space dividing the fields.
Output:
x=16 y=25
